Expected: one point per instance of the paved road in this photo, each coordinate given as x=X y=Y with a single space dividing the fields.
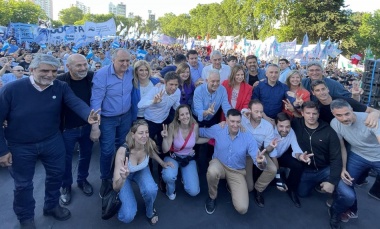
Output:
x=186 y=211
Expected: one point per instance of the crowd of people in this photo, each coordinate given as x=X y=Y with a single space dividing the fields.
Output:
x=197 y=111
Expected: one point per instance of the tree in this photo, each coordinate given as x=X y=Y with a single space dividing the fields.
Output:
x=70 y=15
x=20 y=11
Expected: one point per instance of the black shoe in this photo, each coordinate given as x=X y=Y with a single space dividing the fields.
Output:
x=259 y=199
x=293 y=196
x=27 y=224
x=86 y=187
x=210 y=205
x=65 y=197
x=334 y=219
x=59 y=213
x=105 y=188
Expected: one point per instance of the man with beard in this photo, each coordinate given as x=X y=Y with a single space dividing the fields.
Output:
x=75 y=130
x=254 y=73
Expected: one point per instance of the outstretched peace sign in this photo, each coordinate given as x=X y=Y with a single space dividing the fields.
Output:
x=158 y=97
x=164 y=132
x=260 y=158
x=124 y=170
x=210 y=110
x=305 y=157
x=299 y=101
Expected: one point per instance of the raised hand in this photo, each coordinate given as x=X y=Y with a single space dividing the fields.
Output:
x=346 y=177
x=299 y=101
x=94 y=117
x=124 y=170
x=210 y=110
x=274 y=142
x=306 y=157
x=288 y=105
x=260 y=158
x=164 y=132
x=222 y=124
x=158 y=97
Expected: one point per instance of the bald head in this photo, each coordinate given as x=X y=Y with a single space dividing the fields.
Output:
x=78 y=66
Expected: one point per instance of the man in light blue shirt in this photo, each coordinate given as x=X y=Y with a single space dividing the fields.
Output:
x=285 y=69
x=207 y=100
x=216 y=64
x=17 y=73
x=196 y=66
x=111 y=92
x=228 y=161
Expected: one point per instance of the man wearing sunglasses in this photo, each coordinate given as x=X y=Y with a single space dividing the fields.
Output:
x=17 y=72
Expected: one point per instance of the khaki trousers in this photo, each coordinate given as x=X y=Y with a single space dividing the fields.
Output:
x=269 y=173
x=235 y=180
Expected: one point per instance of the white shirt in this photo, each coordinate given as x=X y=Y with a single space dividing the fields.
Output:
x=158 y=112
x=284 y=143
x=36 y=86
x=144 y=91
x=224 y=72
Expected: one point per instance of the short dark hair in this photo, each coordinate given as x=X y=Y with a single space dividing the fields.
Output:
x=191 y=52
x=339 y=103
x=310 y=104
x=250 y=57
x=172 y=76
x=231 y=58
x=254 y=101
x=286 y=61
x=282 y=116
x=233 y=112
x=316 y=83
x=179 y=58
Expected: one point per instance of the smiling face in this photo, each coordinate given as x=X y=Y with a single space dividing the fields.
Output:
x=321 y=92
x=213 y=82
x=295 y=80
x=142 y=72
x=121 y=62
x=283 y=128
x=78 y=67
x=185 y=74
x=184 y=115
x=252 y=65
x=344 y=115
x=272 y=74
x=239 y=77
x=315 y=72
x=216 y=61
x=141 y=135
x=233 y=123
x=44 y=75
x=171 y=86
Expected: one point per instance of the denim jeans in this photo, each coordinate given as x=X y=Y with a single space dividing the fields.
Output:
x=189 y=176
x=113 y=132
x=148 y=189
x=70 y=138
x=312 y=178
x=51 y=152
x=346 y=195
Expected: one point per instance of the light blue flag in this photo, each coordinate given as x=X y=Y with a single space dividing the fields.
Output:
x=90 y=54
x=141 y=54
x=115 y=44
x=5 y=46
x=305 y=41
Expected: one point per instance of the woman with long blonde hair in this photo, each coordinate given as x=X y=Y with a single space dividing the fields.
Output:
x=134 y=168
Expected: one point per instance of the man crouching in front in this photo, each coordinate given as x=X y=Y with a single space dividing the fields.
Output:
x=228 y=162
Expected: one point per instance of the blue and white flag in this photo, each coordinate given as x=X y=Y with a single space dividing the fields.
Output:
x=90 y=54
x=305 y=41
x=141 y=54
x=5 y=46
x=317 y=49
x=115 y=44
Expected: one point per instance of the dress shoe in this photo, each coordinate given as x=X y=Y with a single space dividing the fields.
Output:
x=86 y=187
x=27 y=224
x=259 y=199
x=105 y=188
x=65 y=197
x=59 y=213
x=334 y=219
x=293 y=196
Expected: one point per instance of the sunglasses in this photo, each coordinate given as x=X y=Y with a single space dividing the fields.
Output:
x=97 y=66
x=18 y=70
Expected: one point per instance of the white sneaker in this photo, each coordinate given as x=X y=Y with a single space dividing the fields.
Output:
x=172 y=196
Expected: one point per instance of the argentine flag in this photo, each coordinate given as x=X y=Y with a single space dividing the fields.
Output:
x=141 y=54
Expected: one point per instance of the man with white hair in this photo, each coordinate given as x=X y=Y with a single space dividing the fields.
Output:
x=17 y=72
x=216 y=64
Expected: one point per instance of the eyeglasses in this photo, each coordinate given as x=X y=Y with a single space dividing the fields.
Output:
x=97 y=66
x=18 y=70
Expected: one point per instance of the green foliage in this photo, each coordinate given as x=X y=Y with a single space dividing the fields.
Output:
x=70 y=15
x=20 y=11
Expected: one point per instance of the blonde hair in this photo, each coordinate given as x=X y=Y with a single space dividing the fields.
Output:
x=234 y=71
x=150 y=146
x=291 y=73
x=181 y=69
x=136 y=66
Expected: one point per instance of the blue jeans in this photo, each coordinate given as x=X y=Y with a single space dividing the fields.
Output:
x=70 y=138
x=312 y=178
x=113 y=132
x=51 y=152
x=346 y=195
x=148 y=189
x=189 y=176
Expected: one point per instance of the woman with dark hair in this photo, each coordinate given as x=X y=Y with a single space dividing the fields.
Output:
x=186 y=85
x=239 y=92
x=134 y=167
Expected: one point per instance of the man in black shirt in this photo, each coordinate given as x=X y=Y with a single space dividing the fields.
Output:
x=253 y=74
x=321 y=92
x=75 y=130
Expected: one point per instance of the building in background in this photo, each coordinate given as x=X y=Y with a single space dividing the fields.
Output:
x=85 y=9
x=46 y=5
x=119 y=9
